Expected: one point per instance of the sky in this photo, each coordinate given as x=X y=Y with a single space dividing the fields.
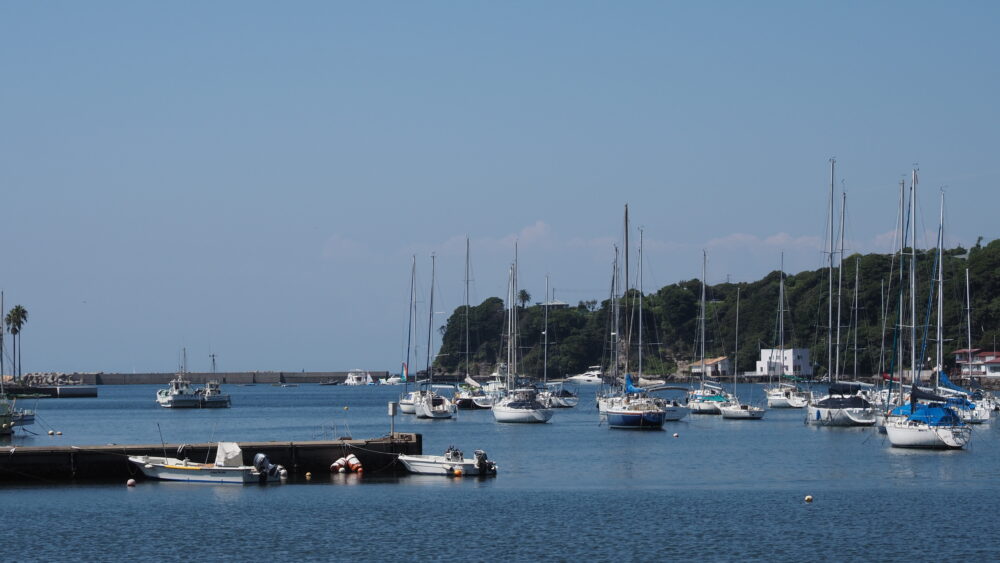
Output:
x=252 y=179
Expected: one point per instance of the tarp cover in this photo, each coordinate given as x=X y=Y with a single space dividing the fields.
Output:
x=628 y=385
x=945 y=382
x=845 y=388
x=228 y=454
x=917 y=394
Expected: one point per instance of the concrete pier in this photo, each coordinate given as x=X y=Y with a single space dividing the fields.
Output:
x=43 y=464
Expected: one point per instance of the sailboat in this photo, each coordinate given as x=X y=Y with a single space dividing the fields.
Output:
x=470 y=394
x=635 y=408
x=845 y=404
x=709 y=397
x=555 y=394
x=407 y=398
x=784 y=395
x=428 y=403
x=734 y=409
x=932 y=423
x=517 y=404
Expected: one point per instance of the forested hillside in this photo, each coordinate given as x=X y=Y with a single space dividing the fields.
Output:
x=580 y=336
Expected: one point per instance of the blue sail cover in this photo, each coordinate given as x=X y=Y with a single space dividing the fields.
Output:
x=628 y=385
x=945 y=382
x=932 y=415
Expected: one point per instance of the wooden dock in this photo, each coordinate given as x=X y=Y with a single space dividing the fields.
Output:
x=43 y=464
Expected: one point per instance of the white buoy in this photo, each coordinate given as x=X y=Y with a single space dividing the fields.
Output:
x=676 y=435
x=58 y=432
x=308 y=475
x=51 y=432
x=283 y=473
x=130 y=483
x=808 y=498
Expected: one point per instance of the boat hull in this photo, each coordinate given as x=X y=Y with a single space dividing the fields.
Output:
x=504 y=413
x=742 y=412
x=442 y=465
x=639 y=420
x=169 y=469
x=821 y=416
x=909 y=434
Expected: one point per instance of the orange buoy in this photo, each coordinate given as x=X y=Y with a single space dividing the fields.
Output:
x=458 y=472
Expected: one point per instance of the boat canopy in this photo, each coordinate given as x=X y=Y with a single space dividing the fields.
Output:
x=845 y=388
x=918 y=394
x=228 y=454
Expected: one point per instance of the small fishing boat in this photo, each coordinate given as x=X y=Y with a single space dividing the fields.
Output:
x=213 y=397
x=452 y=463
x=228 y=467
x=739 y=410
x=180 y=394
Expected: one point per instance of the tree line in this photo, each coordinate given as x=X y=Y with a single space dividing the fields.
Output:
x=579 y=336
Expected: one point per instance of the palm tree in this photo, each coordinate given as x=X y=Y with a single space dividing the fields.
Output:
x=16 y=318
x=523 y=296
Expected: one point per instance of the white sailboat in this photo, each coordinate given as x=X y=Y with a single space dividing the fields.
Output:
x=784 y=395
x=520 y=404
x=930 y=424
x=407 y=404
x=846 y=404
x=734 y=409
x=428 y=403
x=709 y=397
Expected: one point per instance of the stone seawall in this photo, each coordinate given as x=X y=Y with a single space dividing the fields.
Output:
x=243 y=377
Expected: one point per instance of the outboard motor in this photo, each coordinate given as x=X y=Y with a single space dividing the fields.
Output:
x=264 y=466
x=484 y=465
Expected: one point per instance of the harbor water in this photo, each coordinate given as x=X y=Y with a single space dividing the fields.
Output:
x=568 y=490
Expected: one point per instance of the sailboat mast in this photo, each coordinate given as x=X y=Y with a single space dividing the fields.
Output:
x=628 y=325
x=968 y=320
x=640 y=306
x=430 y=323
x=736 y=347
x=615 y=310
x=854 y=316
x=913 y=281
x=781 y=321
x=545 y=334
x=409 y=322
x=939 y=349
x=701 y=351
x=829 y=305
x=467 y=307
x=840 y=280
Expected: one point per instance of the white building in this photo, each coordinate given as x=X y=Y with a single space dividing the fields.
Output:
x=985 y=363
x=796 y=362
x=714 y=367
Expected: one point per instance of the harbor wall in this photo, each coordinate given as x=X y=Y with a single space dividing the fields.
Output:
x=43 y=464
x=240 y=377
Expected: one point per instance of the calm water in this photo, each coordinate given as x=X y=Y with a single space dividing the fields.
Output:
x=567 y=490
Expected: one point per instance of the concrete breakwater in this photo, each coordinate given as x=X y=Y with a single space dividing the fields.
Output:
x=41 y=464
x=237 y=377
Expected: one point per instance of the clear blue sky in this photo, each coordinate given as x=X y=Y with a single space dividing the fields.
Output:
x=251 y=178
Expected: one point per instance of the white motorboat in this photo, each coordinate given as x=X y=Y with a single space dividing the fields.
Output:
x=521 y=405
x=179 y=395
x=737 y=410
x=787 y=396
x=451 y=463
x=359 y=377
x=213 y=397
x=556 y=396
x=590 y=377
x=228 y=467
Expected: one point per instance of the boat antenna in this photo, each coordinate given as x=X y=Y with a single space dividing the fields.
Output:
x=162 y=443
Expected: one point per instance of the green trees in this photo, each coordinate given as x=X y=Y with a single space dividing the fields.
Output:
x=579 y=336
x=15 y=320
